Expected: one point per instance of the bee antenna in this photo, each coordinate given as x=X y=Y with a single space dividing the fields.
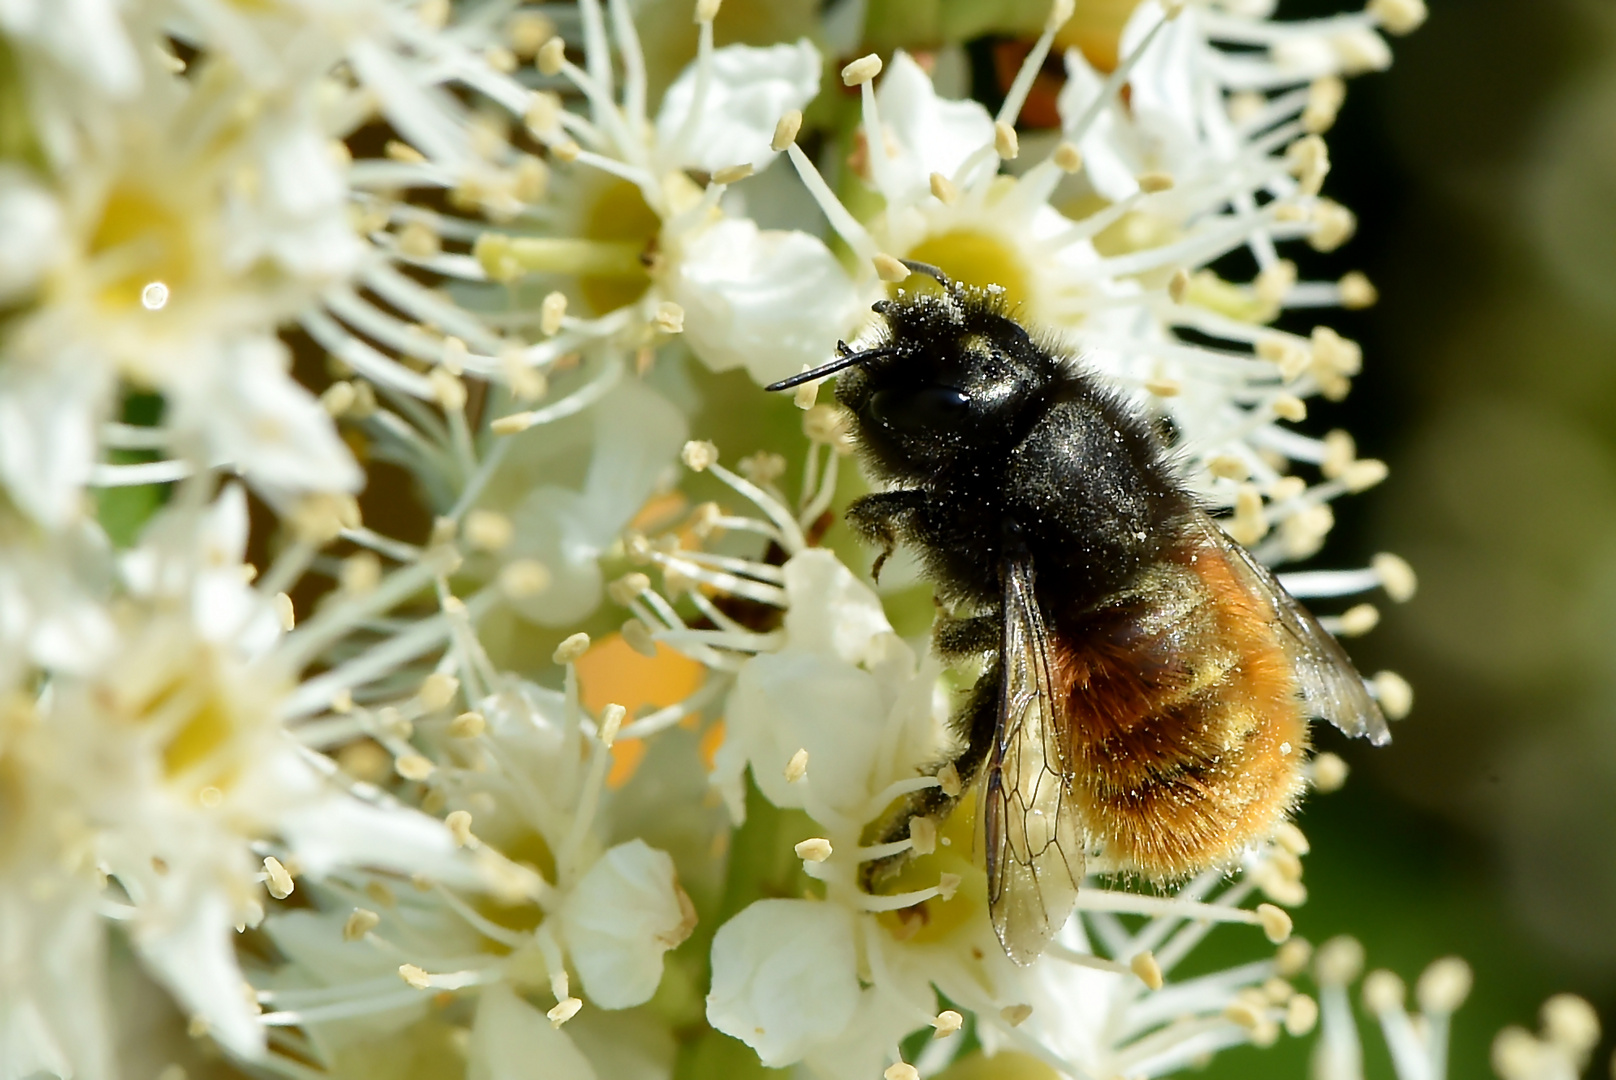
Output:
x=845 y=358
x=930 y=271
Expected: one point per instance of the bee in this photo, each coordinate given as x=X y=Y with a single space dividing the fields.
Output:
x=1149 y=684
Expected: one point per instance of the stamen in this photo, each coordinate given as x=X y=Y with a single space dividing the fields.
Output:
x=845 y=224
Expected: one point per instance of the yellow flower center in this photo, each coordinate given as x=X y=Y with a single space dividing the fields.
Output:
x=1096 y=29
x=621 y=217
x=934 y=920
x=973 y=257
x=141 y=243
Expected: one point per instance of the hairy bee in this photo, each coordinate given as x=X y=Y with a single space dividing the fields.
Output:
x=1151 y=684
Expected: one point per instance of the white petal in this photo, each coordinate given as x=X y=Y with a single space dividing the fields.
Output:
x=48 y=412
x=751 y=89
x=332 y=830
x=31 y=222
x=768 y=301
x=618 y=921
x=637 y=436
x=511 y=1040
x=792 y=700
x=933 y=134
x=784 y=977
x=832 y=611
x=1109 y=159
x=254 y=416
x=195 y=958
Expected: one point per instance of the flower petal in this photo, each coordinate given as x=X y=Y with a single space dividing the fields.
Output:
x=620 y=918
x=512 y=1040
x=751 y=89
x=931 y=134
x=768 y=301
x=784 y=977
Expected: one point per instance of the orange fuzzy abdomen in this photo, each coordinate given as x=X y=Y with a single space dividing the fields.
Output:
x=1184 y=720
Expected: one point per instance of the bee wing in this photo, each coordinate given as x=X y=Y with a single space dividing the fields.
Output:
x=1031 y=831
x=1330 y=684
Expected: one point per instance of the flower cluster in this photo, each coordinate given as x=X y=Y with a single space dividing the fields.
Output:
x=351 y=355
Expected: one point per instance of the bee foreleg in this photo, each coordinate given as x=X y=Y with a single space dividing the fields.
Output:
x=883 y=519
x=967 y=638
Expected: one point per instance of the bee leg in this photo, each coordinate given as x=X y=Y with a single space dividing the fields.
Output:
x=973 y=726
x=962 y=639
x=883 y=518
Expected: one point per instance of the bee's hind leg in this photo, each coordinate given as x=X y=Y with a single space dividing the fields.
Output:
x=973 y=727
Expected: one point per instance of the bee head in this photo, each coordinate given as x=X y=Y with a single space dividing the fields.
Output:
x=951 y=376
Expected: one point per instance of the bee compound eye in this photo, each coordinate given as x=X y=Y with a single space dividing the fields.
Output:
x=920 y=408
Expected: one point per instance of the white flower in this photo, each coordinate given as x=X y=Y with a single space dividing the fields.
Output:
x=641 y=236
x=165 y=768
x=1176 y=178
x=180 y=242
x=832 y=715
x=620 y=918
x=785 y=976
x=730 y=120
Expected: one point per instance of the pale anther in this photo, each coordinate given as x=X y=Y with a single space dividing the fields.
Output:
x=901 y=1071
x=943 y=188
x=468 y=725
x=1153 y=182
x=1339 y=961
x=1068 y=158
x=284 y=612
x=1357 y=291
x=1015 y=1015
x=437 y=690
x=1443 y=986
x=413 y=767
x=815 y=850
x=1005 y=142
x=563 y=1011
x=1178 y=286
x=488 y=530
x=1149 y=972
x=1292 y=957
x=1398 y=16
x=552 y=54
x=1276 y=923
x=459 y=823
x=707 y=10
x=1383 y=991
x=415 y=976
x=360 y=922
x=923 y=835
x=1301 y=1015
x=1359 y=620
x=524 y=578
x=733 y=173
x=669 y=317
x=946 y=1023
x=1396 y=576
x=551 y=311
x=785 y=130
x=611 y=721
x=862 y=70
x=278 y=880
x=797 y=767
x=1329 y=773
x=699 y=455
